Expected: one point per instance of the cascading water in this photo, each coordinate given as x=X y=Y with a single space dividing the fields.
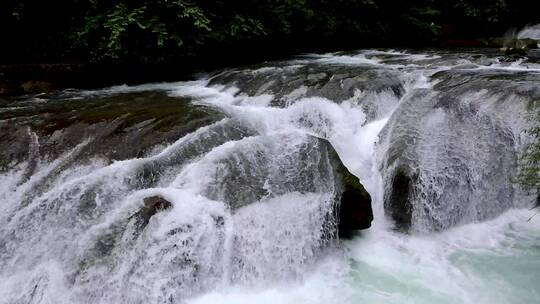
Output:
x=245 y=159
x=531 y=32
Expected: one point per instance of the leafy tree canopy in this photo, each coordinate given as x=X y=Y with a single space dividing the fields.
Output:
x=164 y=30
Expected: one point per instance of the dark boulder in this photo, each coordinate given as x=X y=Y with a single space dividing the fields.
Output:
x=310 y=165
x=518 y=47
x=354 y=207
x=398 y=201
x=450 y=158
x=528 y=43
x=36 y=86
x=152 y=205
x=510 y=51
x=355 y=212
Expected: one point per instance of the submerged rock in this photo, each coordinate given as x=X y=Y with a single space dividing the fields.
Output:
x=336 y=82
x=268 y=167
x=451 y=152
x=133 y=123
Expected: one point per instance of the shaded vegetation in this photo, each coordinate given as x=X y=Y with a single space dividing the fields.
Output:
x=151 y=31
x=529 y=177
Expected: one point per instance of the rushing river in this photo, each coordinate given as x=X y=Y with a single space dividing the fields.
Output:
x=239 y=155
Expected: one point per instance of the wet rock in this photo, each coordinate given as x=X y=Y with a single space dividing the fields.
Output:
x=451 y=153
x=397 y=202
x=510 y=51
x=114 y=236
x=355 y=212
x=518 y=47
x=37 y=86
x=528 y=43
x=289 y=83
x=309 y=165
x=16 y=142
x=132 y=123
x=152 y=205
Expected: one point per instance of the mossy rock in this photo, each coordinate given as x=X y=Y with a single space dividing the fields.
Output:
x=37 y=86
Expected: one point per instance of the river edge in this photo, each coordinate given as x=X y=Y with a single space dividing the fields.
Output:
x=34 y=78
x=21 y=79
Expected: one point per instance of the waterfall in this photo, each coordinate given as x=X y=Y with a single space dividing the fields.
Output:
x=244 y=157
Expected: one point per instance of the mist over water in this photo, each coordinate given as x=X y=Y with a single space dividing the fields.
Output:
x=242 y=156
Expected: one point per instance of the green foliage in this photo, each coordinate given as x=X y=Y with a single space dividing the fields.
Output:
x=113 y=29
x=163 y=30
x=423 y=20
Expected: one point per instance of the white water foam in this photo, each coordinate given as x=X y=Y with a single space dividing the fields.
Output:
x=492 y=262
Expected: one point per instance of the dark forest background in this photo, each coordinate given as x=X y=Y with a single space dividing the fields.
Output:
x=158 y=31
x=94 y=43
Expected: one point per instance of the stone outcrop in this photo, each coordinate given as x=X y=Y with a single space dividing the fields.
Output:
x=451 y=155
x=152 y=205
x=398 y=201
x=36 y=86
x=354 y=206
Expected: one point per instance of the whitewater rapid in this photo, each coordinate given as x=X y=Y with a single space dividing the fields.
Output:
x=497 y=261
x=68 y=234
x=492 y=262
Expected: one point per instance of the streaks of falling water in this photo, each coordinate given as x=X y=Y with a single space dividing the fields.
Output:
x=252 y=194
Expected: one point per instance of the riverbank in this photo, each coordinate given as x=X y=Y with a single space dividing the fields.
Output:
x=19 y=79
x=39 y=78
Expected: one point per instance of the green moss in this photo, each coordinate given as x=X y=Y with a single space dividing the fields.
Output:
x=355 y=212
x=163 y=111
x=529 y=177
x=349 y=180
